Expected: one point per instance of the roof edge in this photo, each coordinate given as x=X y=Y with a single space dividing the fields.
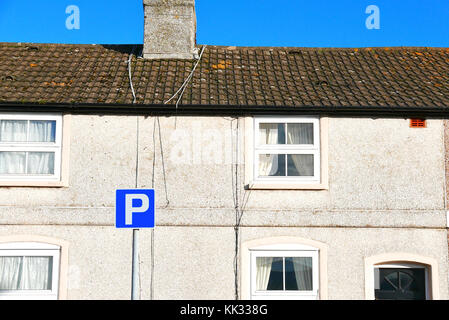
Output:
x=228 y=110
x=228 y=47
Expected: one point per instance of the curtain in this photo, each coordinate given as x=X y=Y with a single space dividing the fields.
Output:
x=268 y=164
x=12 y=162
x=269 y=133
x=25 y=273
x=37 y=273
x=16 y=131
x=41 y=162
x=42 y=131
x=263 y=272
x=38 y=162
x=303 y=272
x=300 y=133
x=303 y=164
x=10 y=271
x=13 y=130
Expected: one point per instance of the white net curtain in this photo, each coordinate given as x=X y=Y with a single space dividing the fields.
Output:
x=286 y=164
x=25 y=273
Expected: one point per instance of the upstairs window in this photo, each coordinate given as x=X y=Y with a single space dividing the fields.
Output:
x=287 y=149
x=30 y=147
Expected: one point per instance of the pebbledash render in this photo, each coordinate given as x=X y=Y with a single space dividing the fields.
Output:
x=279 y=173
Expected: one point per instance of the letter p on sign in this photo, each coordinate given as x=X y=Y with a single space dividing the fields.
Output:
x=134 y=208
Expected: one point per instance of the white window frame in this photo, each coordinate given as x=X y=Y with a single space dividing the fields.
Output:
x=30 y=249
x=407 y=265
x=285 y=250
x=55 y=147
x=287 y=149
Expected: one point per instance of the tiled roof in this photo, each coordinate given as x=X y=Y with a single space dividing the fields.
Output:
x=237 y=76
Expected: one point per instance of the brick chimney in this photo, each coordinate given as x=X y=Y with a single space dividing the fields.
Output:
x=170 y=29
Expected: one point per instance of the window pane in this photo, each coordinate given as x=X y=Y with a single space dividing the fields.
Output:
x=290 y=277
x=390 y=281
x=269 y=273
x=42 y=131
x=12 y=162
x=298 y=273
x=25 y=273
x=263 y=272
x=13 y=130
x=41 y=163
x=300 y=165
x=414 y=279
x=406 y=281
x=276 y=280
x=10 y=270
x=271 y=133
x=272 y=164
x=300 y=133
x=37 y=273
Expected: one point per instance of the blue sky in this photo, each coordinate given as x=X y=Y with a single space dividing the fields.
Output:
x=311 y=23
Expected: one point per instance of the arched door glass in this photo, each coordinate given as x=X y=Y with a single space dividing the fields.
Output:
x=400 y=283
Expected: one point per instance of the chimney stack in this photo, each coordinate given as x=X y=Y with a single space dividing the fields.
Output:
x=170 y=29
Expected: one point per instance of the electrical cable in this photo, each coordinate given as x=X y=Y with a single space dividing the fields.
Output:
x=184 y=85
x=187 y=79
x=137 y=157
x=236 y=208
x=239 y=206
x=156 y=122
x=152 y=230
x=163 y=164
x=136 y=186
x=130 y=75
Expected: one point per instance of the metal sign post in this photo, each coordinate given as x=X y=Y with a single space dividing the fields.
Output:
x=135 y=280
x=134 y=208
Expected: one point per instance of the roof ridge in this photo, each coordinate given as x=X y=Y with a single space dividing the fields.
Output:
x=228 y=47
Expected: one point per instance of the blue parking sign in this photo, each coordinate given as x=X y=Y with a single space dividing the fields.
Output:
x=134 y=208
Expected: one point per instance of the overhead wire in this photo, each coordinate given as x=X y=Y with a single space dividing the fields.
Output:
x=156 y=123
x=239 y=206
x=137 y=157
x=183 y=87
x=130 y=75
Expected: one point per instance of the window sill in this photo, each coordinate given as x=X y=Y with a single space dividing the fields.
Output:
x=285 y=186
x=44 y=184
